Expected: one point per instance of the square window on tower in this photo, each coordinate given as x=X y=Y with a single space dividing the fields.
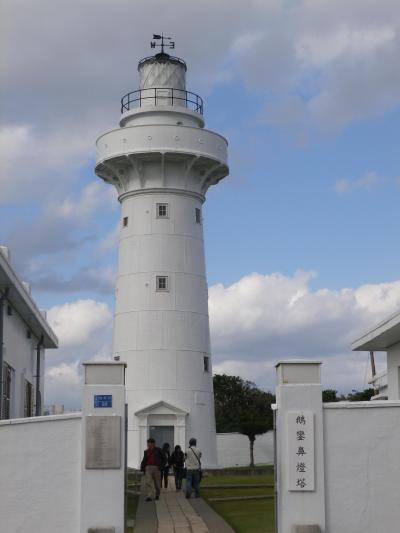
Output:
x=206 y=362
x=162 y=211
x=125 y=222
x=198 y=216
x=162 y=283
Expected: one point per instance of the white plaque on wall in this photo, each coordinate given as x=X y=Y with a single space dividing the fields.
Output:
x=300 y=460
x=103 y=442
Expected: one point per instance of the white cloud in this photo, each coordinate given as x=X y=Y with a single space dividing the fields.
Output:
x=254 y=322
x=263 y=318
x=31 y=159
x=246 y=42
x=64 y=226
x=320 y=49
x=110 y=241
x=77 y=322
x=84 y=329
x=92 y=199
x=348 y=47
x=63 y=385
x=366 y=182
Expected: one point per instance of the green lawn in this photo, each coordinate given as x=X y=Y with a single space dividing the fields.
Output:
x=131 y=510
x=238 y=480
x=249 y=516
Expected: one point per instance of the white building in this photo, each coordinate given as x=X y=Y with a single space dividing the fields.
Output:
x=384 y=337
x=162 y=161
x=54 y=409
x=24 y=335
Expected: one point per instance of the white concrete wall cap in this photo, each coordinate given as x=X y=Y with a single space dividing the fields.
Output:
x=101 y=363
x=362 y=405
x=34 y=419
x=298 y=362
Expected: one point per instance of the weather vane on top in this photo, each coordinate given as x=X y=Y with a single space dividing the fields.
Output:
x=170 y=45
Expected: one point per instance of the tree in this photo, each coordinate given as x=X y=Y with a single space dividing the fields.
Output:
x=360 y=396
x=331 y=395
x=241 y=406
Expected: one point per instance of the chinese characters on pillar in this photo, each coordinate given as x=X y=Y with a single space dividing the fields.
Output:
x=300 y=450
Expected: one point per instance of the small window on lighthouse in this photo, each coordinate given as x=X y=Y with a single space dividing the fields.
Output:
x=206 y=363
x=162 y=211
x=162 y=283
x=125 y=222
x=198 y=216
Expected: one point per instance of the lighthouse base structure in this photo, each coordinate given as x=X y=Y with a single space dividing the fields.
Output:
x=166 y=422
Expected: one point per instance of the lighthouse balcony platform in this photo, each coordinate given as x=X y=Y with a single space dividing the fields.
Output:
x=162 y=138
x=162 y=156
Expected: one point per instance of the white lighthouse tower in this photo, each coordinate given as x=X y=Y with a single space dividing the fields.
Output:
x=162 y=161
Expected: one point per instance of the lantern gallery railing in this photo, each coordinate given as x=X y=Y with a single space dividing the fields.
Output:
x=161 y=96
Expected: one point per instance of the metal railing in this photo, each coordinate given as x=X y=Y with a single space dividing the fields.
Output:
x=162 y=96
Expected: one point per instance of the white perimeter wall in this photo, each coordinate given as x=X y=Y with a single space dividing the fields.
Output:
x=40 y=474
x=234 y=449
x=362 y=467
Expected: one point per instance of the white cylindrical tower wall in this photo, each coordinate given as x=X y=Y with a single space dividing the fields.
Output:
x=162 y=162
x=164 y=334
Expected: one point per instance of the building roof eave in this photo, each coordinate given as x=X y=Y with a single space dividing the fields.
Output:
x=23 y=303
x=381 y=337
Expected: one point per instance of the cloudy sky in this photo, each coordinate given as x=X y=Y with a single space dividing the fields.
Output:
x=302 y=237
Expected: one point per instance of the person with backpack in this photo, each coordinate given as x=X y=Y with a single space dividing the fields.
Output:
x=193 y=469
x=177 y=461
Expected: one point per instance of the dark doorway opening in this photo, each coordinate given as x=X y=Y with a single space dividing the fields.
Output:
x=162 y=434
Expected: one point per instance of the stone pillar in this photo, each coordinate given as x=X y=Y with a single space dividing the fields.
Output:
x=103 y=448
x=299 y=448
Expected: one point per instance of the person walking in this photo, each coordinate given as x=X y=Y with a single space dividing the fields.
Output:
x=177 y=461
x=165 y=469
x=152 y=463
x=193 y=469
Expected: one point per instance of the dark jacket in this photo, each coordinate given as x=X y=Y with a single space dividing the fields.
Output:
x=159 y=459
x=177 y=459
x=167 y=457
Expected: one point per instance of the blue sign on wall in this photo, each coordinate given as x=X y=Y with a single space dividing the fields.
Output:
x=103 y=400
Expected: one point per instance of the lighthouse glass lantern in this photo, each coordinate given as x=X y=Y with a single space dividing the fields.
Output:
x=162 y=161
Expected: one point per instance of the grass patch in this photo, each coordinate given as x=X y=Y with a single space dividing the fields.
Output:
x=226 y=493
x=248 y=516
x=209 y=481
x=132 y=505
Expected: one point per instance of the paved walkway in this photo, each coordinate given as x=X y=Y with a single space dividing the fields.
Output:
x=173 y=513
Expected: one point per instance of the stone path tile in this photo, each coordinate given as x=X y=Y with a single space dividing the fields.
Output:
x=173 y=513
x=176 y=515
